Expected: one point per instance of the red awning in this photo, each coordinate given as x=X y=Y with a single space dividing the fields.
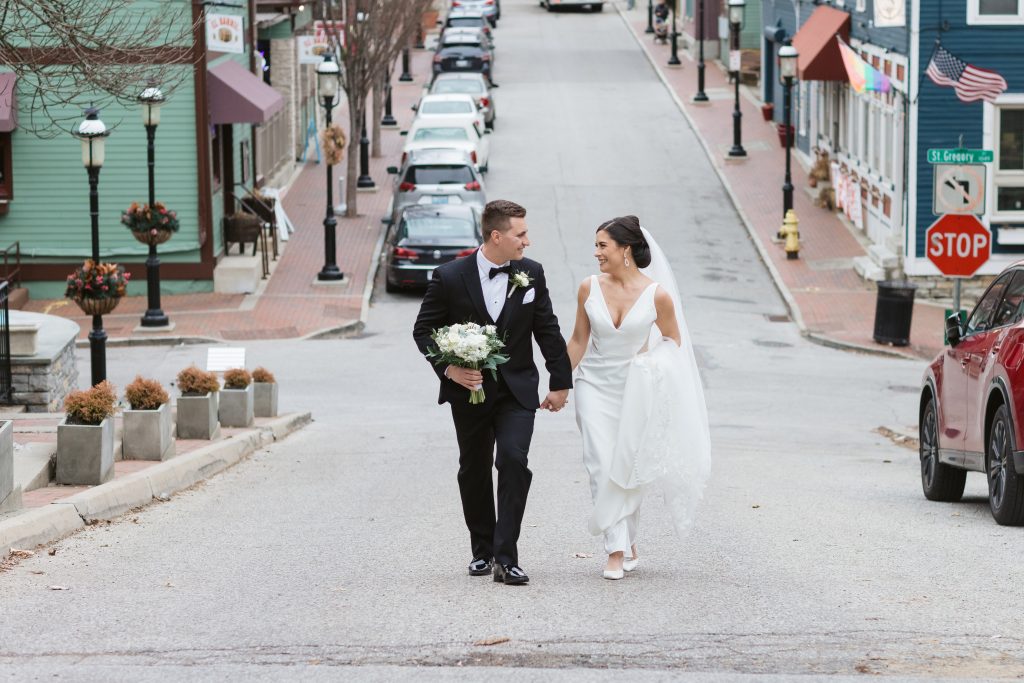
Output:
x=236 y=95
x=8 y=108
x=819 y=57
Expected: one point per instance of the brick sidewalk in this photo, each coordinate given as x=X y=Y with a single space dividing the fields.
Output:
x=290 y=303
x=828 y=299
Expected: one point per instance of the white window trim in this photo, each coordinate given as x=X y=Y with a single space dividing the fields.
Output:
x=976 y=18
x=990 y=141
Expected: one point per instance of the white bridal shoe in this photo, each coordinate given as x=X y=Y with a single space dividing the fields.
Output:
x=613 y=575
x=630 y=564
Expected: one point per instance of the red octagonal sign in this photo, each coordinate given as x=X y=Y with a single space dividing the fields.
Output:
x=958 y=244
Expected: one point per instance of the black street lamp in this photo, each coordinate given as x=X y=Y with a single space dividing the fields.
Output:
x=327 y=75
x=364 y=181
x=93 y=133
x=787 y=69
x=406 y=77
x=701 y=96
x=650 y=17
x=673 y=59
x=736 y=8
x=151 y=100
x=388 y=120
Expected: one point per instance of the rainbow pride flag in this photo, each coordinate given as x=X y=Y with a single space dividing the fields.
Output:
x=862 y=75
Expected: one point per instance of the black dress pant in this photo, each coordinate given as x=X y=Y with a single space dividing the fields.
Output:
x=499 y=421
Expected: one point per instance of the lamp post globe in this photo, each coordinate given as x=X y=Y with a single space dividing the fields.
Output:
x=152 y=99
x=736 y=10
x=92 y=133
x=328 y=76
x=788 y=57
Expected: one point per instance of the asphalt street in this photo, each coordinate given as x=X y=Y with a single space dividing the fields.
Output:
x=341 y=552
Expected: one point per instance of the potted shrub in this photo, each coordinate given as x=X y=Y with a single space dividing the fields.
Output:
x=197 y=405
x=236 y=399
x=264 y=393
x=148 y=429
x=97 y=288
x=150 y=225
x=780 y=128
x=767 y=111
x=85 y=439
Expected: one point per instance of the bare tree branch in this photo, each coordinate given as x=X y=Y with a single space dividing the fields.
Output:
x=369 y=40
x=67 y=51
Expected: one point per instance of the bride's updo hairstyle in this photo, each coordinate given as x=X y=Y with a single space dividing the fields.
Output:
x=626 y=232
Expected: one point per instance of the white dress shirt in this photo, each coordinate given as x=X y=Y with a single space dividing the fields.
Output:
x=494 y=289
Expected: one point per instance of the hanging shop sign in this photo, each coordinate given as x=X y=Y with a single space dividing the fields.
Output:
x=225 y=33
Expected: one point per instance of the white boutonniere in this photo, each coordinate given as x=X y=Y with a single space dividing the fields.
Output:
x=519 y=279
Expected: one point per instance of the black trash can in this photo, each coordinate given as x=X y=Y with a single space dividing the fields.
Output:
x=894 y=311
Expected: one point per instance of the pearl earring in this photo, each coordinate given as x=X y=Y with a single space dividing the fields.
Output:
x=627 y=263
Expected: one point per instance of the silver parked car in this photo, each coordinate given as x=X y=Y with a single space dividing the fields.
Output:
x=469 y=84
x=437 y=177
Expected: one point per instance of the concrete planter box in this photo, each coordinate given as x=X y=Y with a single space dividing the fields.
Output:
x=148 y=434
x=85 y=453
x=236 y=407
x=265 y=398
x=9 y=498
x=197 y=416
x=23 y=338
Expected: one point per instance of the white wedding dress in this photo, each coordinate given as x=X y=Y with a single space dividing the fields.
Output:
x=640 y=409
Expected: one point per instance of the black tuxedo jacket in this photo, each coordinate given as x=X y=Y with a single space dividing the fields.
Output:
x=454 y=296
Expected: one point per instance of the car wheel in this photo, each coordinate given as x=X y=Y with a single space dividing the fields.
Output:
x=939 y=481
x=390 y=288
x=1005 y=486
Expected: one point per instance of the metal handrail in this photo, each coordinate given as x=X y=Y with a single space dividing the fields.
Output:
x=6 y=378
x=12 y=277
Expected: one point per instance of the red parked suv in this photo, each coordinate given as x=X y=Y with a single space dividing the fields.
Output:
x=972 y=402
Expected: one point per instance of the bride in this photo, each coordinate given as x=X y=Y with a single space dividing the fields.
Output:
x=639 y=400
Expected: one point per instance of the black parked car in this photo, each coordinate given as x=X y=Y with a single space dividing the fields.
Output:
x=423 y=237
x=462 y=58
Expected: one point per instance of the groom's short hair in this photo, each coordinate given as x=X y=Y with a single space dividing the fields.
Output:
x=497 y=214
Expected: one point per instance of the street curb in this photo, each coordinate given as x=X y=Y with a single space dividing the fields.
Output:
x=762 y=252
x=104 y=502
x=155 y=341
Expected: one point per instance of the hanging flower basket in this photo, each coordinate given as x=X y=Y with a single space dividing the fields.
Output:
x=97 y=306
x=334 y=144
x=153 y=237
x=97 y=288
x=150 y=225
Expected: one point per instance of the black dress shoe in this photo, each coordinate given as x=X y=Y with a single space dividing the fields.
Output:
x=481 y=566
x=509 y=574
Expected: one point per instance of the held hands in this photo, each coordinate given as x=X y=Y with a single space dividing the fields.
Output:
x=465 y=377
x=555 y=400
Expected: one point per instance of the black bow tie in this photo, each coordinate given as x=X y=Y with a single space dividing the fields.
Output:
x=507 y=269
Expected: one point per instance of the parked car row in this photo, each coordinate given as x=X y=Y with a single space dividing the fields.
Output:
x=439 y=191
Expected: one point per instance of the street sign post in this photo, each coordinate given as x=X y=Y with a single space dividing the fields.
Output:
x=958 y=245
x=960 y=156
x=958 y=189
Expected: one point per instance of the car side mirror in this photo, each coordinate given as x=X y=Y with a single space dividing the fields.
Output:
x=954 y=330
x=392 y=170
x=415 y=107
x=386 y=220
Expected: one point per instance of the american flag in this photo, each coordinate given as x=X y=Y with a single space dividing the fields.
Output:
x=969 y=82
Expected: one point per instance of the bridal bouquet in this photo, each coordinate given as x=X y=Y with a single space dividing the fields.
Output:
x=469 y=345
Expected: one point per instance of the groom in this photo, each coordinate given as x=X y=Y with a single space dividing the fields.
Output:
x=497 y=286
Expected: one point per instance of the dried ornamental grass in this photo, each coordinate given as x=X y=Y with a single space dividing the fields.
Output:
x=145 y=394
x=195 y=382
x=237 y=378
x=263 y=376
x=91 y=406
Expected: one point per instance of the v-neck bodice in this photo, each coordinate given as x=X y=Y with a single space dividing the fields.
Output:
x=609 y=343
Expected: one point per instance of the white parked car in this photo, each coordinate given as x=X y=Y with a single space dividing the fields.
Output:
x=468 y=84
x=454 y=107
x=430 y=133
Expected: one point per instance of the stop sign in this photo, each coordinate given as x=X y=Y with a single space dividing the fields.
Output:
x=958 y=244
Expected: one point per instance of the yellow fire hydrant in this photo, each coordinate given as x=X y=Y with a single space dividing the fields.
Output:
x=792 y=236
